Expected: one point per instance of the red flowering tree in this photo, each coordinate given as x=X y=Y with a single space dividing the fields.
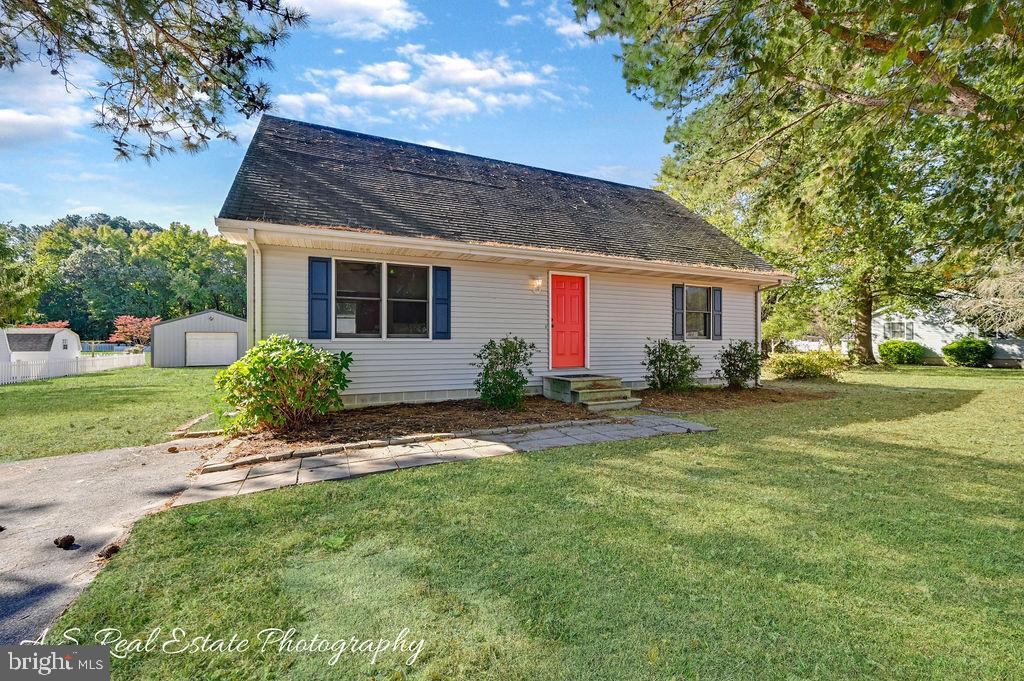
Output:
x=133 y=330
x=46 y=325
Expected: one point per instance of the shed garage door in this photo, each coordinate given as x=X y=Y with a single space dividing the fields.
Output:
x=210 y=349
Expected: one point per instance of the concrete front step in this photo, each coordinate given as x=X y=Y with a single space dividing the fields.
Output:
x=600 y=394
x=560 y=387
x=612 y=405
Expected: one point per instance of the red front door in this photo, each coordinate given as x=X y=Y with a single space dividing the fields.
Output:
x=568 y=323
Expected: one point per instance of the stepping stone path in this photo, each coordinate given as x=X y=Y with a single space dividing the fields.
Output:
x=358 y=462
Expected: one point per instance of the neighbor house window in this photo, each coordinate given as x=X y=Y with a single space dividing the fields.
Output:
x=64 y=344
x=698 y=312
x=408 y=301
x=899 y=330
x=357 y=290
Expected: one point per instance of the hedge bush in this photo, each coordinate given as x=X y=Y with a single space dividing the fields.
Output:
x=968 y=352
x=670 y=366
x=504 y=369
x=282 y=383
x=901 y=352
x=813 y=364
x=740 y=364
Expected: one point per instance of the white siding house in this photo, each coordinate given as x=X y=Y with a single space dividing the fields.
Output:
x=491 y=299
x=31 y=345
x=936 y=328
x=411 y=258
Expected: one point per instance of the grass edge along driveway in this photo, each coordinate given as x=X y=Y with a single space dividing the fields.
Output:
x=873 y=535
x=103 y=410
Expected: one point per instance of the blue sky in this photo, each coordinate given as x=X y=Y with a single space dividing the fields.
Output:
x=509 y=79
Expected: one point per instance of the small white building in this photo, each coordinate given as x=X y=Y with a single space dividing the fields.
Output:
x=207 y=338
x=5 y=349
x=36 y=344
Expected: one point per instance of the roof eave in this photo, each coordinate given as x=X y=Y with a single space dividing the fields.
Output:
x=238 y=231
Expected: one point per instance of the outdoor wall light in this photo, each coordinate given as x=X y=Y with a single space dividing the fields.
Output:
x=536 y=284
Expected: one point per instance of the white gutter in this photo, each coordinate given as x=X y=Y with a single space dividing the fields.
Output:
x=233 y=230
x=757 y=318
x=257 y=299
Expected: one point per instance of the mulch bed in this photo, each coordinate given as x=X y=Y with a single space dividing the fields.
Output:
x=716 y=399
x=375 y=423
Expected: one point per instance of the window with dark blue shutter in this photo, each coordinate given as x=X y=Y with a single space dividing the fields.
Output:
x=319 y=297
x=442 y=313
x=678 y=312
x=716 y=313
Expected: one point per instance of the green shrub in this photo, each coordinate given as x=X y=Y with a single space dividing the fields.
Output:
x=670 y=366
x=282 y=383
x=504 y=369
x=813 y=364
x=740 y=364
x=968 y=352
x=901 y=352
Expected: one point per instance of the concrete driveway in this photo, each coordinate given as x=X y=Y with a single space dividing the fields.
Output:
x=94 y=496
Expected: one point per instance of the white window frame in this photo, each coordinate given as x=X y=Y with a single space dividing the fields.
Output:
x=710 y=312
x=906 y=334
x=383 y=302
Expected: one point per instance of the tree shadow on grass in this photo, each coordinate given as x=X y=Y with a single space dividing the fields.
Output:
x=793 y=547
x=792 y=550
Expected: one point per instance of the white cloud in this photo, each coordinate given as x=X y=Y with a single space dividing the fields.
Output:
x=442 y=145
x=517 y=19
x=362 y=19
x=503 y=3
x=244 y=128
x=9 y=188
x=422 y=85
x=83 y=176
x=36 y=107
x=621 y=173
x=565 y=25
x=389 y=71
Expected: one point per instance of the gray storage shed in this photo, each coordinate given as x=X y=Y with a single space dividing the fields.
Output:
x=208 y=338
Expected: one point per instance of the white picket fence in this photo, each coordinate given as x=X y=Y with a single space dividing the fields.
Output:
x=16 y=372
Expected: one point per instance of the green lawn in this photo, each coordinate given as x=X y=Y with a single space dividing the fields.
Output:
x=875 y=535
x=99 y=411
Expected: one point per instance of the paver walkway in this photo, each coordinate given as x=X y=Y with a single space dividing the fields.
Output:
x=355 y=463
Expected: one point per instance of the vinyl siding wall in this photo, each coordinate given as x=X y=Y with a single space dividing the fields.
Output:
x=488 y=301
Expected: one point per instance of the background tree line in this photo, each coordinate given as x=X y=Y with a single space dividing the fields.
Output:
x=91 y=270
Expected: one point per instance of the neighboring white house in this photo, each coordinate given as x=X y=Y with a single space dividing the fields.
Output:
x=207 y=338
x=5 y=349
x=935 y=328
x=30 y=345
x=411 y=258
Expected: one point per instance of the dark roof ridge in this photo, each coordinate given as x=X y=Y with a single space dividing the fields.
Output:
x=452 y=152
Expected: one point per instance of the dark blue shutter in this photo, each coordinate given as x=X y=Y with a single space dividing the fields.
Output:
x=678 y=312
x=716 y=313
x=442 y=315
x=319 y=297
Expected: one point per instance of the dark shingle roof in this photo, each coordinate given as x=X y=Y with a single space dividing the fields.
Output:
x=303 y=174
x=30 y=342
